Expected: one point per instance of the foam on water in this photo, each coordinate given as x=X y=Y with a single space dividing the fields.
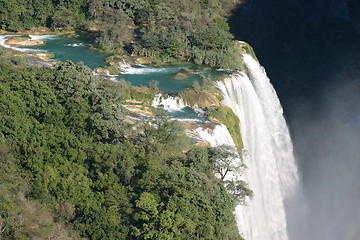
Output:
x=43 y=37
x=75 y=45
x=169 y=103
x=140 y=69
x=216 y=136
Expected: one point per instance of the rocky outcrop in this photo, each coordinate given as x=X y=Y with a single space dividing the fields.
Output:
x=45 y=56
x=246 y=48
x=200 y=99
x=225 y=115
x=183 y=73
x=140 y=109
x=21 y=41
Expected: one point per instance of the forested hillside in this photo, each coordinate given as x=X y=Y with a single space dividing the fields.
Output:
x=68 y=170
x=70 y=165
x=185 y=29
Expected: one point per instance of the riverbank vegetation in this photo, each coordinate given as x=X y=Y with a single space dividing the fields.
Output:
x=190 y=30
x=69 y=170
x=224 y=114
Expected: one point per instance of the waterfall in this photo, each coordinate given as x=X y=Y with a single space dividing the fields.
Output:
x=276 y=125
x=124 y=66
x=272 y=171
x=169 y=103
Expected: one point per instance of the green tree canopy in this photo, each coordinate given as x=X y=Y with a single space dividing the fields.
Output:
x=69 y=155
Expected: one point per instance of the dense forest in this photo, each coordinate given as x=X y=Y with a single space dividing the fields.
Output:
x=71 y=169
x=181 y=29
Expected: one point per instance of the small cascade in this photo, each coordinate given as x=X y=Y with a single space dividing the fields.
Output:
x=43 y=37
x=169 y=103
x=75 y=45
x=107 y=72
x=216 y=136
x=126 y=68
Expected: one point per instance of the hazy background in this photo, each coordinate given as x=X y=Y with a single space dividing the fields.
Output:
x=311 y=52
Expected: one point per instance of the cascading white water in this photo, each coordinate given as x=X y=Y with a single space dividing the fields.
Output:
x=75 y=44
x=170 y=103
x=215 y=137
x=126 y=68
x=276 y=125
x=272 y=172
x=219 y=135
x=43 y=37
x=264 y=217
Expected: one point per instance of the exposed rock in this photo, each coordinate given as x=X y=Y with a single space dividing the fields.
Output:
x=129 y=121
x=182 y=73
x=101 y=70
x=23 y=41
x=139 y=109
x=108 y=71
x=45 y=56
x=225 y=115
x=201 y=144
x=200 y=99
x=134 y=101
x=144 y=60
x=198 y=144
x=116 y=60
x=246 y=48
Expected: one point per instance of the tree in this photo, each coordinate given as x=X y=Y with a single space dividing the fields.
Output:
x=15 y=15
x=63 y=18
x=239 y=189
x=114 y=26
x=229 y=159
x=43 y=11
x=226 y=159
x=164 y=136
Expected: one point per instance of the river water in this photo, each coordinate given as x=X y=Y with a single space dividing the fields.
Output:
x=78 y=50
